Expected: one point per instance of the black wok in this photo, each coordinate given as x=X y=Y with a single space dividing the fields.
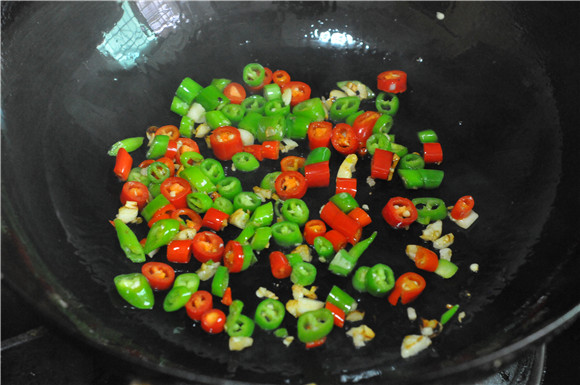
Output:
x=497 y=81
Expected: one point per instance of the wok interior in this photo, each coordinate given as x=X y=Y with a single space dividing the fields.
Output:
x=480 y=78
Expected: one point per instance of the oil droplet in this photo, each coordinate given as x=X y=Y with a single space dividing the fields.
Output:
x=419 y=59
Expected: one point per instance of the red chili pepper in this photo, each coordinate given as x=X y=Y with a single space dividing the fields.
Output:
x=207 y=246
x=271 y=149
x=399 y=212
x=146 y=163
x=185 y=145
x=317 y=174
x=300 y=91
x=267 y=80
x=136 y=192
x=339 y=221
x=292 y=163
x=361 y=216
x=463 y=207
x=160 y=275
x=213 y=321
x=347 y=185
x=319 y=134
x=337 y=239
x=234 y=256
x=256 y=150
x=344 y=139
x=235 y=92
x=338 y=313
x=281 y=77
x=227 y=298
x=363 y=126
x=179 y=251
x=290 y=184
x=163 y=213
x=168 y=130
x=312 y=229
x=175 y=189
x=188 y=219
x=171 y=151
x=407 y=287
x=279 y=265
x=225 y=142
x=426 y=259
x=215 y=219
x=315 y=344
x=381 y=164
x=393 y=81
x=123 y=164
x=169 y=163
x=200 y=302
x=432 y=153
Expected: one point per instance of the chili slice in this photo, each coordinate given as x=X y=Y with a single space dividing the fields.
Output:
x=207 y=246
x=399 y=212
x=160 y=275
x=290 y=184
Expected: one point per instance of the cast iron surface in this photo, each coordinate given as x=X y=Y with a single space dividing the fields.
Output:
x=496 y=87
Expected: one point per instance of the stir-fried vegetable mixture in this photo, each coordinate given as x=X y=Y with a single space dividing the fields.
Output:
x=187 y=200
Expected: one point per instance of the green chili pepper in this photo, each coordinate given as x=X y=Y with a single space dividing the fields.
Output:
x=312 y=109
x=211 y=98
x=190 y=158
x=188 y=90
x=317 y=155
x=236 y=307
x=377 y=141
x=357 y=250
x=129 y=144
x=383 y=124
x=359 y=279
x=186 y=127
x=220 y=83
x=239 y=325
x=129 y=242
x=380 y=280
x=216 y=118
x=249 y=257
x=213 y=169
x=253 y=74
x=323 y=247
x=427 y=136
x=351 y=118
x=341 y=299
x=276 y=107
x=234 y=112
x=189 y=280
x=180 y=107
x=247 y=200
x=412 y=161
x=446 y=269
x=429 y=209
x=261 y=238
x=271 y=128
x=398 y=149
x=297 y=126
x=314 y=325
x=303 y=273
x=246 y=234
x=431 y=178
x=158 y=147
x=254 y=103
x=223 y=204
x=158 y=172
x=161 y=233
x=153 y=206
x=445 y=317
x=220 y=281
x=344 y=107
x=135 y=289
x=229 y=187
x=269 y=314
x=344 y=201
x=294 y=258
x=281 y=333
x=269 y=180
x=135 y=175
x=154 y=189
x=176 y=298
x=411 y=178
x=198 y=180
x=263 y=215
x=199 y=202
x=295 y=210
x=286 y=234
x=272 y=91
x=245 y=162
x=387 y=103
x=344 y=261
